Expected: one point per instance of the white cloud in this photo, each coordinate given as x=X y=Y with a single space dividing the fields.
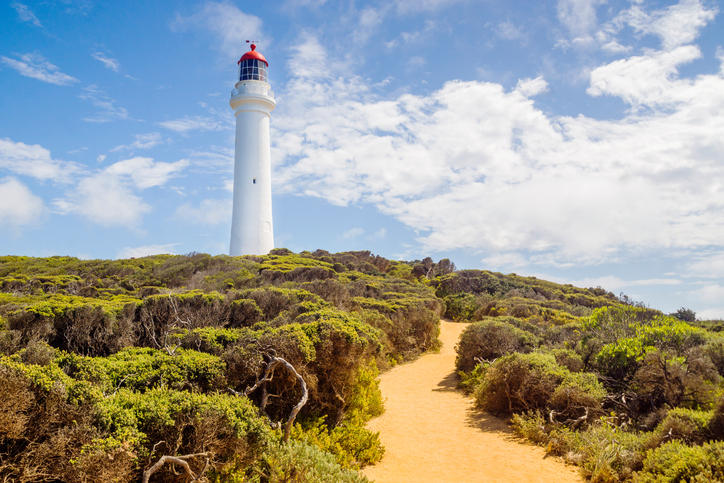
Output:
x=706 y=266
x=25 y=14
x=579 y=18
x=647 y=79
x=614 y=284
x=473 y=166
x=675 y=25
x=108 y=110
x=509 y=31
x=215 y=160
x=108 y=198
x=36 y=67
x=614 y=47
x=532 y=87
x=225 y=21
x=369 y=19
x=142 y=141
x=355 y=232
x=208 y=212
x=714 y=313
x=107 y=61
x=505 y=261
x=147 y=250
x=105 y=200
x=713 y=293
x=18 y=205
x=196 y=123
x=413 y=36
x=145 y=172
x=379 y=234
x=34 y=160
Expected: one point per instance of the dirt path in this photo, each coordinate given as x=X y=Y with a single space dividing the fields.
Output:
x=432 y=432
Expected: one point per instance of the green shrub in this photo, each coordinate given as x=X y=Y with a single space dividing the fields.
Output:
x=526 y=382
x=604 y=452
x=531 y=425
x=488 y=340
x=519 y=382
x=716 y=425
x=569 y=359
x=666 y=379
x=244 y=313
x=144 y=368
x=300 y=461
x=461 y=306
x=578 y=398
x=353 y=445
x=715 y=350
x=674 y=461
x=687 y=425
x=469 y=381
x=619 y=360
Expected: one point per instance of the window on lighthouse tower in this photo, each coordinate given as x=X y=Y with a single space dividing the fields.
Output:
x=253 y=69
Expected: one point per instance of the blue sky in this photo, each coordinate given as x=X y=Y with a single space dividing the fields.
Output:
x=580 y=141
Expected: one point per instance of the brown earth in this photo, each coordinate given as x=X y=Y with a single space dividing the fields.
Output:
x=432 y=432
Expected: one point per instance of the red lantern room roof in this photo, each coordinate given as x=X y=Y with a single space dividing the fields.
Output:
x=253 y=54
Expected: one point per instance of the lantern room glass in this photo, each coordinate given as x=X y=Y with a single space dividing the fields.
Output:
x=253 y=69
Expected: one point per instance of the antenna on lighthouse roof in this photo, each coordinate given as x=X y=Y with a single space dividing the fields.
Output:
x=253 y=43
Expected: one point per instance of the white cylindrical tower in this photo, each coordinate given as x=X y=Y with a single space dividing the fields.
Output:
x=252 y=230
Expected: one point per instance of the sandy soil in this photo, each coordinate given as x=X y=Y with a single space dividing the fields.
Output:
x=432 y=432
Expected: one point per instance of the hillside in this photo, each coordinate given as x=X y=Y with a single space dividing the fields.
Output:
x=181 y=356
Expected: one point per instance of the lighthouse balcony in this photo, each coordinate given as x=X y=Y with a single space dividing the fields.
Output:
x=252 y=88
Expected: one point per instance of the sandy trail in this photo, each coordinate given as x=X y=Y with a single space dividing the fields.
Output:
x=432 y=432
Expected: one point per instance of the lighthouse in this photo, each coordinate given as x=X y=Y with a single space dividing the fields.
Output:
x=252 y=230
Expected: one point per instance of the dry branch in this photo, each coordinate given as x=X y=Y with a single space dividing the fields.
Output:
x=275 y=362
x=176 y=460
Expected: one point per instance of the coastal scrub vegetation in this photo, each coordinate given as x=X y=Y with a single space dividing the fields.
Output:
x=624 y=391
x=265 y=368
x=165 y=367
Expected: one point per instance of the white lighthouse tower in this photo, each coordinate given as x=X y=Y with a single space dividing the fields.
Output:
x=252 y=230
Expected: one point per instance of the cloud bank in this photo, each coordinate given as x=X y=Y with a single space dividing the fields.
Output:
x=475 y=166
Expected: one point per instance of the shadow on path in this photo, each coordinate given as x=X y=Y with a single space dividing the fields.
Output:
x=448 y=384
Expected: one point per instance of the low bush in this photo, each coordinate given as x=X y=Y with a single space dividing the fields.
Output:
x=353 y=445
x=568 y=359
x=531 y=425
x=665 y=379
x=605 y=452
x=299 y=461
x=526 y=382
x=716 y=424
x=687 y=425
x=461 y=306
x=675 y=461
x=489 y=339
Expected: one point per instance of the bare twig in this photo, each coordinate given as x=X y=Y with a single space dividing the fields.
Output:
x=275 y=362
x=176 y=460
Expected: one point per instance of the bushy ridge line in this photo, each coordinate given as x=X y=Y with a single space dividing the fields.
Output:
x=147 y=362
x=624 y=391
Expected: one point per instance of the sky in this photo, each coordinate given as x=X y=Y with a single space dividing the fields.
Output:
x=580 y=141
